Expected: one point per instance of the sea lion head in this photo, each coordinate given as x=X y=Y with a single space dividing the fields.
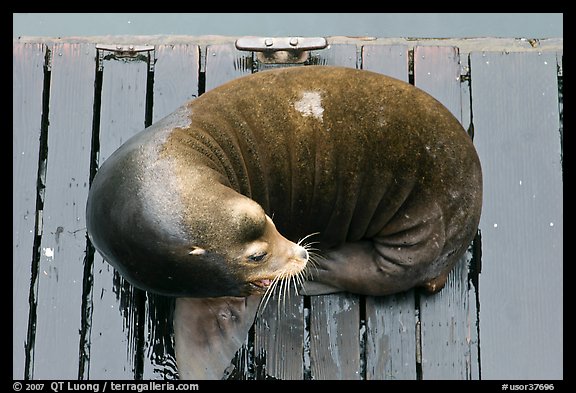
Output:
x=243 y=245
x=176 y=239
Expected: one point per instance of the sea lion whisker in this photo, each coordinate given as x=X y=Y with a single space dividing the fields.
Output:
x=310 y=269
x=280 y=295
x=306 y=237
x=312 y=249
x=297 y=281
x=264 y=301
x=277 y=284
x=313 y=261
x=268 y=294
x=318 y=255
x=285 y=291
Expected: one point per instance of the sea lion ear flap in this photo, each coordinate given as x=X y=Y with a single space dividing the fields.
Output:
x=197 y=251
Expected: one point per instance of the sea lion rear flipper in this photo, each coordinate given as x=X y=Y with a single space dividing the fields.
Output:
x=209 y=331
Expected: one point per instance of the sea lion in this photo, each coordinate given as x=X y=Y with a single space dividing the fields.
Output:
x=211 y=201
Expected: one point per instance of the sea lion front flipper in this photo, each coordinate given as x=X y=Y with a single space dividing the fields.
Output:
x=209 y=331
x=313 y=288
x=371 y=268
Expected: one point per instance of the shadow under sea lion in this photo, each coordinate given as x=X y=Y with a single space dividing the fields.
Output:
x=379 y=175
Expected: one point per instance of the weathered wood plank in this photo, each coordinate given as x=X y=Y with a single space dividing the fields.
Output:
x=473 y=255
x=279 y=354
x=27 y=87
x=116 y=314
x=516 y=122
x=279 y=331
x=388 y=60
x=175 y=77
x=391 y=320
x=175 y=82
x=343 y=55
x=279 y=337
x=335 y=337
x=63 y=245
x=335 y=319
x=226 y=63
x=437 y=72
x=445 y=317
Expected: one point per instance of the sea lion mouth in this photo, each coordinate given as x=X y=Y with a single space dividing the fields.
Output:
x=262 y=284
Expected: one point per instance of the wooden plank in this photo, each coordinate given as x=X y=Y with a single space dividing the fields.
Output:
x=446 y=323
x=279 y=354
x=175 y=77
x=475 y=252
x=388 y=60
x=175 y=82
x=116 y=314
x=391 y=337
x=63 y=245
x=335 y=319
x=437 y=72
x=226 y=63
x=516 y=121
x=27 y=87
x=335 y=337
x=391 y=320
x=279 y=337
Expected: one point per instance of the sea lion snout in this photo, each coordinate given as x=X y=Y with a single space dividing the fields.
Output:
x=302 y=253
x=298 y=261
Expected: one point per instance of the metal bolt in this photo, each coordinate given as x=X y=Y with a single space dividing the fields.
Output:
x=268 y=42
x=293 y=41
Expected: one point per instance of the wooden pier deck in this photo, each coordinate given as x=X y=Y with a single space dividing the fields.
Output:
x=499 y=317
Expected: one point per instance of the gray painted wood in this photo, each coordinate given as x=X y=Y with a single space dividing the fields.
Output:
x=115 y=315
x=391 y=337
x=175 y=82
x=279 y=337
x=390 y=320
x=473 y=273
x=335 y=337
x=447 y=324
x=517 y=134
x=224 y=63
x=175 y=77
x=27 y=87
x=278 y=332
x=516 y=121
x=388 y=60
x=63 y=245
x=335 y=319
